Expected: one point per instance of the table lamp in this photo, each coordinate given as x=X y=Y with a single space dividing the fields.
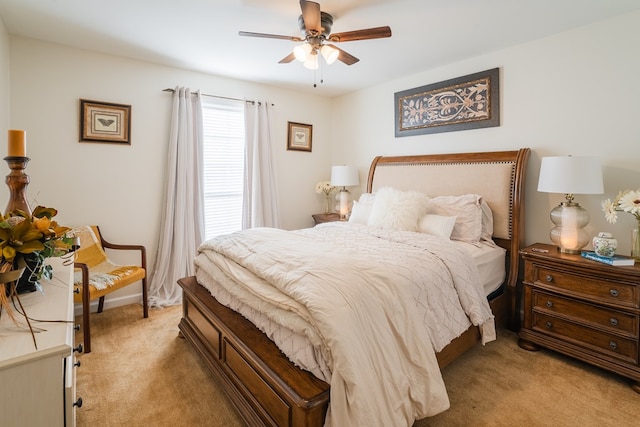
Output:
x=344 y=176
x=570 y=175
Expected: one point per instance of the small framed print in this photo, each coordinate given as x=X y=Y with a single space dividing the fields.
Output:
x=105 y=122
x=299 y=137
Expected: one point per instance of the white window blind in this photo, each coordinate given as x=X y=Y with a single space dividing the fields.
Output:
x=223 y=149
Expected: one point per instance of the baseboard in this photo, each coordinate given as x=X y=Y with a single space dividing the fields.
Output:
x=110 y=303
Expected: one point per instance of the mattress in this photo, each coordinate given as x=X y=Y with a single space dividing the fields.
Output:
x=489 y=258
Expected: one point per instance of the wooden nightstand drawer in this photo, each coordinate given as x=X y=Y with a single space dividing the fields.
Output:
x=613 y=345
x=612 y=320
x=600 y=291
x=582 y=308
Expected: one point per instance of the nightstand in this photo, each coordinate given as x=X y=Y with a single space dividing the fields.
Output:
x=326 y=217
x=582 y=308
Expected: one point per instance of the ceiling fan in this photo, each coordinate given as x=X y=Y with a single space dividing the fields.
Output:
x=315 y=27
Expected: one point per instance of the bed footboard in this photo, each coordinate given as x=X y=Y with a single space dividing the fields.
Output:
x=263 y=385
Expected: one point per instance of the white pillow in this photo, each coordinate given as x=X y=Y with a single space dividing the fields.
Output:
x=468 y=213
x=361 y=209
x=487 y=222
x=398 y=210
x=437 y=225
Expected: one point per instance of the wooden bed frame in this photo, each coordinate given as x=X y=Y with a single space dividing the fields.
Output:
x=263 y=385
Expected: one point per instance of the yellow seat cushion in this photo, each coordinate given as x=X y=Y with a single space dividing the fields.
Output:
x=123 y=276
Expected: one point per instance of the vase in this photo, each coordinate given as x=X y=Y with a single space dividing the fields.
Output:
x=605 y=245
x=327 y=208
x=635 y=242
x=28 y=281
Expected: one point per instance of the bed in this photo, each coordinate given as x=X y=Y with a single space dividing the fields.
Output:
x=264 y=385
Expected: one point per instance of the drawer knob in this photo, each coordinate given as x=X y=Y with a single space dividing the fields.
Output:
x=613 y=321
x=613 y=345
x=77 y=364
x=78 y=403
x=76 y=327
x=76 y=290
x=614 y=292
x=78 y=348
x=549 y=278
x=549 y=304
x=548 y=325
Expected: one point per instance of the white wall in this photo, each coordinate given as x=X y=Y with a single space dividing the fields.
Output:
x=573 y=93
x=120 y=187
x=4 y=77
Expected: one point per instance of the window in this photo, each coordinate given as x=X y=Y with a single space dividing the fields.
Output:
x=223 y=149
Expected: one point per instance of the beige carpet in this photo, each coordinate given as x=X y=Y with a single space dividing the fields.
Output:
x=141 y=374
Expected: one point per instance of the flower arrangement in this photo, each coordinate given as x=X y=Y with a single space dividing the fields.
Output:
x=625 y=201
x=326 y=188
x=26 y=241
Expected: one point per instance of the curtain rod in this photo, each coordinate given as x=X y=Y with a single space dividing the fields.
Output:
x=221 y=97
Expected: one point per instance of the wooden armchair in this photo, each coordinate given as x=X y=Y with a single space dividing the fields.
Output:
x=98 y=276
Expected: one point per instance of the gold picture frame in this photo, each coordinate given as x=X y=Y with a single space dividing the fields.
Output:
x=299 y=136
x=105 y=122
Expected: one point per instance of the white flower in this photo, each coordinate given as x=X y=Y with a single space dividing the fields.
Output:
x=630 y=202
x=625 y=201
x=609 y=211
x=324 y=187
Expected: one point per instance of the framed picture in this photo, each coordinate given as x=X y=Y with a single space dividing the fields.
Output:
x=299 y=137
x=105 y=122
x=462 y=103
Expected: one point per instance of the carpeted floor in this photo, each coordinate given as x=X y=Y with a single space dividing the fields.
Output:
x=141 y=374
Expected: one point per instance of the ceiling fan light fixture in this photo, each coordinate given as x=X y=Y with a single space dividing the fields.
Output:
x=330 y=54
x=302 y=51
x=311 y=62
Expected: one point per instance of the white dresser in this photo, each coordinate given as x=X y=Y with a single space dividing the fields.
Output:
x=37 y=386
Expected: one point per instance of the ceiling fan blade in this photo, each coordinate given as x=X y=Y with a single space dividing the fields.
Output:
x=369 y=33
x=311 y=16
x=269 y=36
x=287 y=59
x=345 y=57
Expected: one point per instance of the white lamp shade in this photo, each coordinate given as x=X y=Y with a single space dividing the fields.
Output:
x=301 y=52
x=311 y=62
x=344 y=176
x=329 y=53
x=571 y=175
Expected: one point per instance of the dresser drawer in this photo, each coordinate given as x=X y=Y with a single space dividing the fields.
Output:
x=600 y=291
x=621 y=348
x=611 y=320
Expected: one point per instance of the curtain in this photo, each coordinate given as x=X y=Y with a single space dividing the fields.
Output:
x=182 y=223
x=260 y=204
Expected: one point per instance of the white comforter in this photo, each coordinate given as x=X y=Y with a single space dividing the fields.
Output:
x=374 y=306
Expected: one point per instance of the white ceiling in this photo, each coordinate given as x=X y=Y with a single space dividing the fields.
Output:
x=202 y=35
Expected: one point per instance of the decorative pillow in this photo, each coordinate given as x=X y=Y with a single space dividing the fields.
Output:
x=437 y=225
x=361 y=209
x=468 y=213
x=487 y=222
x=398 y=210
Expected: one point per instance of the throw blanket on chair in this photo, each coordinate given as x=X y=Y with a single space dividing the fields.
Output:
x=103 y=273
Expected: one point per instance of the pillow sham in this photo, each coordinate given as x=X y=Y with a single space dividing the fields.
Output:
x=361 y=209
x=398 y=210
x=466 y=208
x=437 y=225
x=487 y=222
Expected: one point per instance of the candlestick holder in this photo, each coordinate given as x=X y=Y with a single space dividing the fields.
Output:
x=17 y=182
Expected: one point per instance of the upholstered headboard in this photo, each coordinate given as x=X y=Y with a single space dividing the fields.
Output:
x=497 y=176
